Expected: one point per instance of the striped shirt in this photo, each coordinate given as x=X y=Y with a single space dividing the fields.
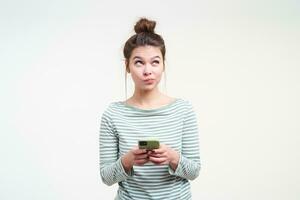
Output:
x=175 y=125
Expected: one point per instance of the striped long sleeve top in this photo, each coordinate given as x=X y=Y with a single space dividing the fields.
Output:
x=175 y=125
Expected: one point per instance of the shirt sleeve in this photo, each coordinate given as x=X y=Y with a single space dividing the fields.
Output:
x=111 y=168
x=189 y=159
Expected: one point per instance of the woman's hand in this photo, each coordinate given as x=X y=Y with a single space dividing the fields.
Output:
x=135 y=156
x=164 y=155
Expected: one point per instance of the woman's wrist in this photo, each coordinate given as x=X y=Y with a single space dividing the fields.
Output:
x=174 y=160
x=127 y=164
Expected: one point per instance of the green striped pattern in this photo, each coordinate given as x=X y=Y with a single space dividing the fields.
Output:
x=174 y=124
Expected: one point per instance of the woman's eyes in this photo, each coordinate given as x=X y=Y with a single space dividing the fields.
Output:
x=140 y=62
x=136 y=62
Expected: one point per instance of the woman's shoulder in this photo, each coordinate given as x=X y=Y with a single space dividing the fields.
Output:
x=111 y=106
x=185 y=101
x=187 y=104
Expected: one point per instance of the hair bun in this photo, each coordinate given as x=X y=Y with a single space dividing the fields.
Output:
x=144 y=25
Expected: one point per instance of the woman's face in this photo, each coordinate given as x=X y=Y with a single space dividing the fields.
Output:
x=146 y=67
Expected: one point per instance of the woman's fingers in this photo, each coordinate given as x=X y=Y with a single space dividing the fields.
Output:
x=159 y=151
x=139 y=151
x=160 y=160
x=157 y=155
x=140 y=162
x=141 y=156
x=162 y=148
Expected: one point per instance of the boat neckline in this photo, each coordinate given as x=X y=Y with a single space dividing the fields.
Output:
x=149 y=110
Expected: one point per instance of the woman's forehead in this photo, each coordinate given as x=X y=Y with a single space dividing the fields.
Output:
x=148 y=52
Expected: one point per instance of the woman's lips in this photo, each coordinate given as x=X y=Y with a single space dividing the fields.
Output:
x=149 y=81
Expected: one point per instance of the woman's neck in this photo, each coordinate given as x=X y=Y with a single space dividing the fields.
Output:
x=148 y=99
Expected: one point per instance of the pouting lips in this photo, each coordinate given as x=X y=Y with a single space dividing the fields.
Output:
x=149 y=81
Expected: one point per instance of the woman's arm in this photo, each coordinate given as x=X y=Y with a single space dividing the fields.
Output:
x=111 y=168
x=189 y=159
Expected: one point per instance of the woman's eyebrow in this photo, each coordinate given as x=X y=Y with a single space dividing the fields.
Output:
x=138 y=57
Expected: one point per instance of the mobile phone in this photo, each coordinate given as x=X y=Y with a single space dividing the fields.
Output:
x=148 y=144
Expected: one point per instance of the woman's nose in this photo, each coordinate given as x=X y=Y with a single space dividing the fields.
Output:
x=147 y=70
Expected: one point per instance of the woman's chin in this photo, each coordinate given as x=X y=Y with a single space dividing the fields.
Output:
x=148 y=87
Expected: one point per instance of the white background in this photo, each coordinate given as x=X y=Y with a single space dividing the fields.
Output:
x=236 y=61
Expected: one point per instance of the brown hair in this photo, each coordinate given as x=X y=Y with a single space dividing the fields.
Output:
x=145 y=35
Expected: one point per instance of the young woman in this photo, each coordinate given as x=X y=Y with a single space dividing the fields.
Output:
x=161 y=173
